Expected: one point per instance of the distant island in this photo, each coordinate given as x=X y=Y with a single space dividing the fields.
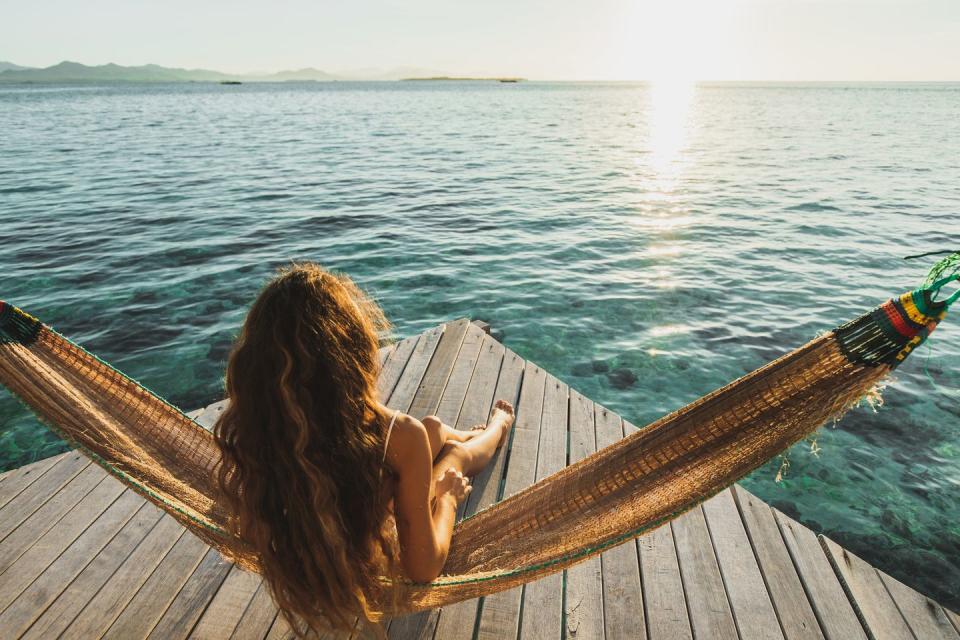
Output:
x=74 y=72
x=66 y=72
x=461 y=79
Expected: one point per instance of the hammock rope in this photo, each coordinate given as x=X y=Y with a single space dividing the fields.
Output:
x=613 y=495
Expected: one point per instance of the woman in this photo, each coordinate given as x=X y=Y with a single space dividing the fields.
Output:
x=334 y=490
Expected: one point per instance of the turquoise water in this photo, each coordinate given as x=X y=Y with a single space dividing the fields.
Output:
x=646 y=244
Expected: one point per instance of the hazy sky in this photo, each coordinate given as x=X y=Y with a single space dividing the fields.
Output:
x=539 y=39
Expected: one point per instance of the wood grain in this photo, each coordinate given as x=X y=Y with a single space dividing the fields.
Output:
x=838 y=620
x=869 y=597
x=794 y=610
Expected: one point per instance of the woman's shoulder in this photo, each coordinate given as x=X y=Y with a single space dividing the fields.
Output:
x=407 y=429
x=407 y=436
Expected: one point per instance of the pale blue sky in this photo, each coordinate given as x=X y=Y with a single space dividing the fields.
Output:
x=539 y=39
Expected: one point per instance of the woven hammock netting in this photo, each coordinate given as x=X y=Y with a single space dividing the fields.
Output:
x=618 y=493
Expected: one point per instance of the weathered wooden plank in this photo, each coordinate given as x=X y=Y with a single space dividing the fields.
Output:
x=384 y=352
x=281 y=630
x=460 y=374
x=455 y=388
x=210 y=413
x=429 y=391
x=193 y=598
x=543 y=598
x=710 y=613
x=35 y=496
x=227 y=607
x=954 y=618
x=74 y=598
x=456 y=622
x=666 y=606
x=497 y=376
x=420 y=626
x=47 y=515
x=836 y=616
x=583 y=602
x=925 y=617
x=51 y=544
x=103 y=609
x=259 y=616
x=145 y=608
x=412 y=375
x=623 y=614
x=500 y=613
x=395 y=364
x=33 y=601
x=794 y=610
x=873 y=604
x=752 y=608
x=483 y=325
x=16 y=480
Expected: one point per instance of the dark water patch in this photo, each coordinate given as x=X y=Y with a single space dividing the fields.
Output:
x=436 y=206
x=266 y=197
x=34 y=188
x=899 y=429
x=219 y=349
x=129 y=337
x=812 y=206
x=326 y=223
x=594 y=367
x=188 y=256
x=87 y=278
x=621 y=378
x=827 y=230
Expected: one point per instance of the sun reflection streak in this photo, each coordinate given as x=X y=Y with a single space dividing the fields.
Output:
x=668 y=129
x=663 y=250
x=669 y=330
x=662 y=209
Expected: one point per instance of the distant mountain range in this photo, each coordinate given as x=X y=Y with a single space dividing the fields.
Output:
x=66 y=72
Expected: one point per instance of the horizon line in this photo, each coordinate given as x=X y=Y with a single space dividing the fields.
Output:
x=472 y=76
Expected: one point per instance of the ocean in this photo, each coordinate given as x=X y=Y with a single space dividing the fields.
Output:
x=645 y=243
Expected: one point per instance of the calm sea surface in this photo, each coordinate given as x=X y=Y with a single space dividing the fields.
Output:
x=645 y=244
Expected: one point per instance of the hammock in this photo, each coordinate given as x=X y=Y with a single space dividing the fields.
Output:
x=607 y=498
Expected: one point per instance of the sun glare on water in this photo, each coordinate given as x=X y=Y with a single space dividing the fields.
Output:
x=668 y=118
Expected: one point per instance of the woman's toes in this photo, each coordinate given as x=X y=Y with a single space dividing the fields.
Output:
x=505 y=406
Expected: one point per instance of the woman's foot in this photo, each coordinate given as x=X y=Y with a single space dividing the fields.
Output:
x=501 y=417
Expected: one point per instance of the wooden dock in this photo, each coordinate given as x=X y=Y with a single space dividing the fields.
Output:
x=81 y=556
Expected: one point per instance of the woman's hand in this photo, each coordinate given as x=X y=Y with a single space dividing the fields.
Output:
x=453 y=484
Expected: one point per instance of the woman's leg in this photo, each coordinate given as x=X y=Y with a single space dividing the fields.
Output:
x=438 y=433
x=472 y=456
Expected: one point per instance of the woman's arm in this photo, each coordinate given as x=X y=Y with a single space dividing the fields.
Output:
x=424 y=509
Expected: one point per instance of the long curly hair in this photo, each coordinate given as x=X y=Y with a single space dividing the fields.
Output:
x=302 y=442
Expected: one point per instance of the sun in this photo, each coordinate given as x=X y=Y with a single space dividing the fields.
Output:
x=679 y=41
